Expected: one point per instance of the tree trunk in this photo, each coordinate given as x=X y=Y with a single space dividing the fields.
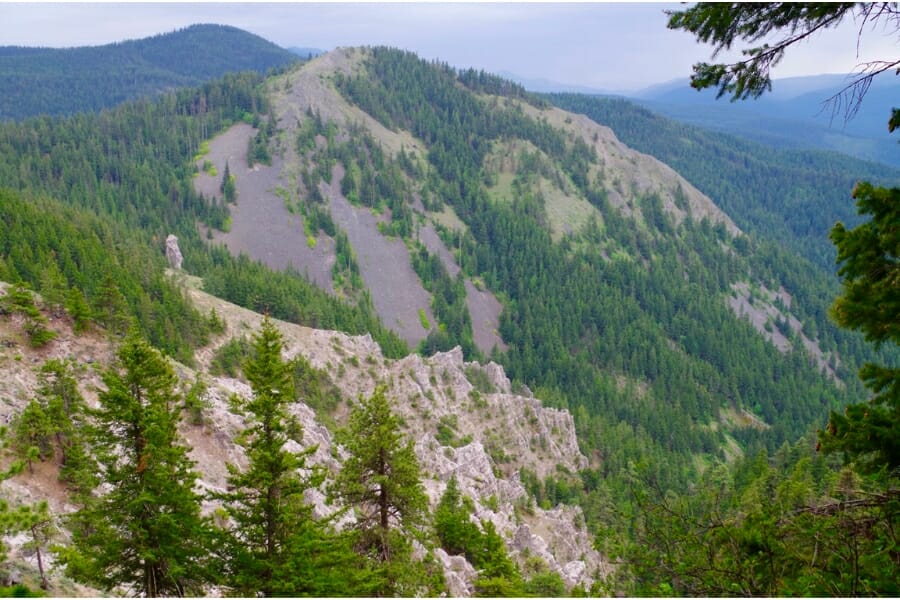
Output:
x=44 y=583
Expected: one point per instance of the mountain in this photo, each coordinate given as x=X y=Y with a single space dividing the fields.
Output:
x=793 y=115
x=797 y=194
x=51 y=81
x=467 y=211
x=590 y=325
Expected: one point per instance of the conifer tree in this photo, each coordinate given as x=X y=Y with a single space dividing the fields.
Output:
x=869 y=254
x=276 y=547
x=229 y=192
x=146 y=532
x=60 y=399
x=380 y=479
x=31 y=434
x=455 y=530
x=110 y=306
x=37 y=522
x=78 y=308
x=53 y=287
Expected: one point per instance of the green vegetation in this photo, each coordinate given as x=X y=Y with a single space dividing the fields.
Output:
x=577 y=324
x=123 y=195
x=274 y=546
x=869 y=433
x=498 y=575
x=624 y=322
x=106 y=275
x=20 y=300
x=449 y=306
x=795 y=195
x=146 y=531
x=423 y=319
x=138 y=523
x=48 y=81
x=380 y=479
x=801 y=522
x=785 y=525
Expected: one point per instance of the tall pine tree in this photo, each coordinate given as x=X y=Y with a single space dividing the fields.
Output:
x=146 y=533
x=380 y=479
x=275 y=547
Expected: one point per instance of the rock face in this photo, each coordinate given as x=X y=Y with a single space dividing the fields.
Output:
x=465 y=419
x=173 y=252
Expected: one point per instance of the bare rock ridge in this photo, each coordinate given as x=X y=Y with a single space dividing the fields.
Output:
x=481 y=435
x=465 y=418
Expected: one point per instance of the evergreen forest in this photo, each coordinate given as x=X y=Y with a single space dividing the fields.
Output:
x=717 y=463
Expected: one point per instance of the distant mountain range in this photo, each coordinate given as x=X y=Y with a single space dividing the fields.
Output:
x=548 y=86
x=793 y=115
x=55 y=81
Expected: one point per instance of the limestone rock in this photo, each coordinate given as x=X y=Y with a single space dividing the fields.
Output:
x=173 y=252
x=458 y=573
x=463 y=417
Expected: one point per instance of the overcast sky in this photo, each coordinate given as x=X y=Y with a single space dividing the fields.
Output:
x=609 y=46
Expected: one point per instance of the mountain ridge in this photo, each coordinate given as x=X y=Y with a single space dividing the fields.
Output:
x=494 y=433
x=663 y=342
x=54 y=81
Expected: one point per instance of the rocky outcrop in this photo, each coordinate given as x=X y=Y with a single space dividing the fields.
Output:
x=464 y=417
x=173 y=252
x=466 y=421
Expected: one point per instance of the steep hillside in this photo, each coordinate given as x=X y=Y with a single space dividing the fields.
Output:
x=789 y=196
x=470 y=213
x=48 y=81
x=463 y=416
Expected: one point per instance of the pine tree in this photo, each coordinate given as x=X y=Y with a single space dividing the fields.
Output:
x=146 y=532
x=32 y=431
x=66 y=409
x=37 y=521
x=380 y=480
x=227 y=187
x=78 y=308
x=870 y=265
x=54 y=287
x=456 y=531
x=111 y=307
x=275 y=546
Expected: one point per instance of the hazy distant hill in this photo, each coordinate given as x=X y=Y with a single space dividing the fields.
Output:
x=304 y=52
x=793 y=115
x=55 y=81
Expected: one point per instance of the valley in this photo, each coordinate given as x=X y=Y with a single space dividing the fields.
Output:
x=603 y=343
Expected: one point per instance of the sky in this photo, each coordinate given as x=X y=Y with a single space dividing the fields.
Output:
x=615 y=47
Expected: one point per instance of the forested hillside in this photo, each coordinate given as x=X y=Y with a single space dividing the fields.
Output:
x=791 y=197
x=625 y=306
x=681 y=317
x=50 y=81
x=140 y=183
